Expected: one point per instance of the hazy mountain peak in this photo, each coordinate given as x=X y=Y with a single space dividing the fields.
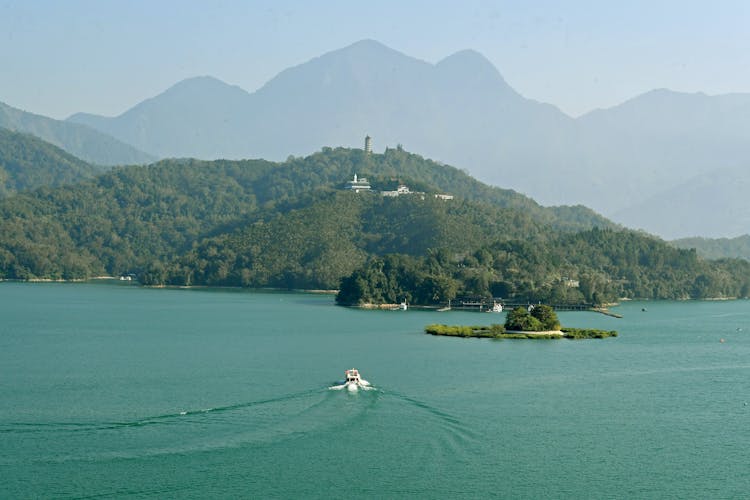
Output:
x=367 y=54
x=366 y=45
x=470 y=68
x=195 y=89
x=361 y=68
x=201 y=84
x=467 y=57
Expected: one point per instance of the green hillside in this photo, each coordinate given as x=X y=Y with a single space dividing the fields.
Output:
x=594 y=267
x=257 y=223
x=315 y=246
x=27 y=162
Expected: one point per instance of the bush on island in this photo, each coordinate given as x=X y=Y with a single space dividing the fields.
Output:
x=540 y=318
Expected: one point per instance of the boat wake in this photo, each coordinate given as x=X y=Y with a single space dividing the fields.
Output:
x=259 y=422
x=310 y=414
x=352 y=388
x=163 y=419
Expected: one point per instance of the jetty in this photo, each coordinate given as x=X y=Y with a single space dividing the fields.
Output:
x=485 y=304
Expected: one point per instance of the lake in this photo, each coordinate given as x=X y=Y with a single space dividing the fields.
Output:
x=113 y=390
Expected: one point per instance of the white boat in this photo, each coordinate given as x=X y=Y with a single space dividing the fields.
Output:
x=353 y=381
x=497 y=307
x=403 y=306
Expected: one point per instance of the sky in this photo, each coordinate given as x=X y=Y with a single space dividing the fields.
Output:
x=104 y=56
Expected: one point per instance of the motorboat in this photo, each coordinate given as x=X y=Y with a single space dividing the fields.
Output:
x=353 y=381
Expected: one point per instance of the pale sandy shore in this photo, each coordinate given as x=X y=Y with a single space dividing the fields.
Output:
x=549 y=332
x=379 y=306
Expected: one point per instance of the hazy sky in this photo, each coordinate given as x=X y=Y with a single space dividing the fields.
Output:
x=58 y=57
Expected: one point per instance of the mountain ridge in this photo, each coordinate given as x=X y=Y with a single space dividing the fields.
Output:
x=459 y=110
x=84 y=142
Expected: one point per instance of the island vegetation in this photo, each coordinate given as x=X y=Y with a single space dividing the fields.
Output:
x=535 y=318
x=292 y=225
x=540 y=322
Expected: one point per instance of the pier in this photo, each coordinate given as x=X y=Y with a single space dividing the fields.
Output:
x=484 y=304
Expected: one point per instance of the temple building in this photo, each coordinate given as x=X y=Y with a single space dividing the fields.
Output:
x=358 y=184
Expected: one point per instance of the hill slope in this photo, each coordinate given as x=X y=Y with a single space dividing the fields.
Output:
x=81 y=141
x=257 y=223
x=126 y=220
x=27 y=162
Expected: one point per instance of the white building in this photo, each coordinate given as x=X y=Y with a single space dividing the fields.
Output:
x=358 y=184
x=401 y=189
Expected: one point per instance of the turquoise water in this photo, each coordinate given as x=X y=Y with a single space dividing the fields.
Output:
x=121 y=391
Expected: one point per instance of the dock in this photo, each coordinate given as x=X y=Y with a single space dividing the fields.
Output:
x=484 y=304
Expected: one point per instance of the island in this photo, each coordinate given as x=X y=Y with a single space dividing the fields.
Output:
x=535 y=322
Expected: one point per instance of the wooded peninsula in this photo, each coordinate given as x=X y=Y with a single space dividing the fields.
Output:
x=296 y=225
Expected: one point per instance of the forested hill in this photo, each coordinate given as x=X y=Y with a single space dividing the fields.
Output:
x=134 y=217
x=258 y=223
x=385 y=171
x=27 y=162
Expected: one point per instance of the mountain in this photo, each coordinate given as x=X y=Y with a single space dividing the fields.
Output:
x=196 y=118
x=657 y=141
x=712 y=205
x=27 y=162
x=84 y=142
x=720 y=248
x=460 y=111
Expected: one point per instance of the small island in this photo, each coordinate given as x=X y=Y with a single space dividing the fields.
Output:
x=537 y=322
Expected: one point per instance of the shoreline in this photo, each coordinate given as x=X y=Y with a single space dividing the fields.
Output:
x=498 y=332
x=176 y=287
x=534 y=332
x=601 y=310
x=605 y=311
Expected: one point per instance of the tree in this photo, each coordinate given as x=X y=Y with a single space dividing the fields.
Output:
x=520 y=319
x=546 y=316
